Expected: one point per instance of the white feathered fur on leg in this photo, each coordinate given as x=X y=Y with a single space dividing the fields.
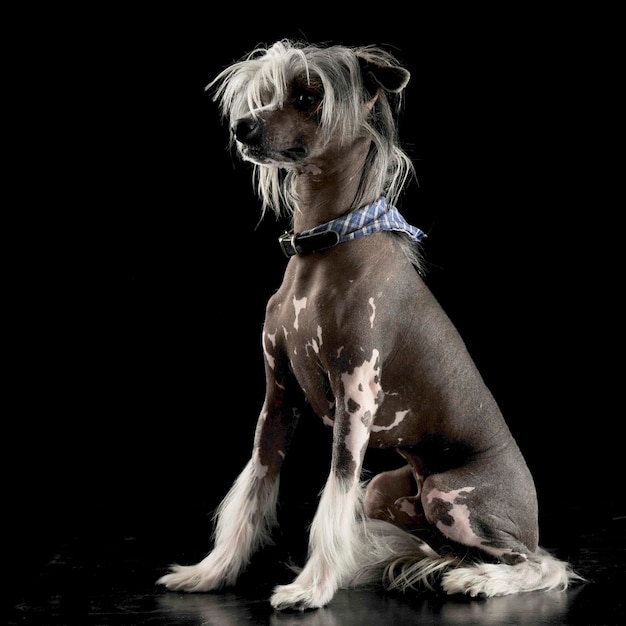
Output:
x=333 y=546
x=244 y=521
x=348 y=550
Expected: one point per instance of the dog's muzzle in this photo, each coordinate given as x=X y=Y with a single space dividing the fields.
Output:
x=253 y=145
x=247 y=130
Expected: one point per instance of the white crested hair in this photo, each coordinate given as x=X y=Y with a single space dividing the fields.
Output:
x=350 y=78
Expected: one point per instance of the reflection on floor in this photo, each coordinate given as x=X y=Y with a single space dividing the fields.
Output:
x=91 y=581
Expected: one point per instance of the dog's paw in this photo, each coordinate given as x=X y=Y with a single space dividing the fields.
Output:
x=299 y=597
x=192 y=578
x=479 y=581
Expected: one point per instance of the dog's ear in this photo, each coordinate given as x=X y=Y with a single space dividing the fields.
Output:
x=378 y=74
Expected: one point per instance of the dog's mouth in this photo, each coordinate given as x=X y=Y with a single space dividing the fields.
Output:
x=297 y=153
x=262 y=156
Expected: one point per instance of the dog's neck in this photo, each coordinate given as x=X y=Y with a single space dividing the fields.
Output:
x=329 y=184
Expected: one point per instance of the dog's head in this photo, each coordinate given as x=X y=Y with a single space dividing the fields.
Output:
x=289 y=103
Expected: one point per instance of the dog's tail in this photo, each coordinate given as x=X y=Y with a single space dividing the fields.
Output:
x=402 y=561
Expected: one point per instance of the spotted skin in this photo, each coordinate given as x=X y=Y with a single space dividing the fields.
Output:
x=422 y=396
x=334 y=343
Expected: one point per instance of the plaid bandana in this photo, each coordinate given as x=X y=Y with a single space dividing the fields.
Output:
x=368 y=219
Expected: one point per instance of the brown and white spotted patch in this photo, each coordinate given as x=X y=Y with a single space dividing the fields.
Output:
x=362 y=392
x=299 y=306
x=315 y=343
x=372 y=316
x=453 y=519
x=271 y=338
x=398 y=419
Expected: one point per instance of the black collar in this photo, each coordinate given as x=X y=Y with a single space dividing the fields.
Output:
x=302 y=244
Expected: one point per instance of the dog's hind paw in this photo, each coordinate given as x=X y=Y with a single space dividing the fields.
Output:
x=299 y=597
x=485 y=580
x=191 y=578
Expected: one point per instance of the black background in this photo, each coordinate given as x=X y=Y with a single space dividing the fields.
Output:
x=139 y=272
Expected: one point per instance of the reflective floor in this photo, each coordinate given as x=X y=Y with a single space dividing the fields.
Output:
x=133 y=365
x=94 y=581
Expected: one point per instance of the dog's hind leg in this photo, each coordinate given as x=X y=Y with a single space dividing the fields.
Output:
x=476 y=506
x=393 y=496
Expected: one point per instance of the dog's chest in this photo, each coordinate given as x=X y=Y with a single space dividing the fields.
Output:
x=325 y=334
x=307 y=321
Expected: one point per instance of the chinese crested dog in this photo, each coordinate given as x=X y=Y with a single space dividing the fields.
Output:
x=354 y=334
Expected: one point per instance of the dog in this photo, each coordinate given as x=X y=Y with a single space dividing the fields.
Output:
x=354 y=334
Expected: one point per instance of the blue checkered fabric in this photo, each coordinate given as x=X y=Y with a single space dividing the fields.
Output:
x=368 y=219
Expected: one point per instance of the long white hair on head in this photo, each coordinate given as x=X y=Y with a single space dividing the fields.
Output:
x=350 y=78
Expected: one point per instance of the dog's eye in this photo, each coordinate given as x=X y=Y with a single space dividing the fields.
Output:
x=306 y=100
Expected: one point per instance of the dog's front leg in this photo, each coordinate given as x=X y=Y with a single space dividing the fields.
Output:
x=336 y=536
x=244 y=519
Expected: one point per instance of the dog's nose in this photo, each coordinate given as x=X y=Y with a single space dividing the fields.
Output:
x=247 y=130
